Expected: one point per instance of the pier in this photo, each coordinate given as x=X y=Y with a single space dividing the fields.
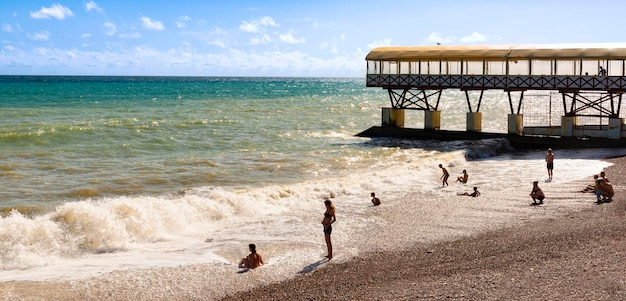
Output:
x=589 y=80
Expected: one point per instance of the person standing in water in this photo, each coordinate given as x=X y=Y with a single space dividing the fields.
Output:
x=329 y=219
x=445 y=176
x=550 y=163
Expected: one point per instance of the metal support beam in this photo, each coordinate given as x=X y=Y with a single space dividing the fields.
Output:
x=415 y=99
x=519 y=104
x=469 y=104
x=591 y=104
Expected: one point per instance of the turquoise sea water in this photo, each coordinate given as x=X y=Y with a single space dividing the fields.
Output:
x=67 y=138
x=106 y=173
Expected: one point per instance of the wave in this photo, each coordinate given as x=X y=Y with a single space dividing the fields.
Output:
x=118 y=224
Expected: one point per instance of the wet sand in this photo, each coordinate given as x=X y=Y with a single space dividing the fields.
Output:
x=578 y=255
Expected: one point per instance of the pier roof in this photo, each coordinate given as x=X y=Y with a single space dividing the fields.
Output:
x=498 y=52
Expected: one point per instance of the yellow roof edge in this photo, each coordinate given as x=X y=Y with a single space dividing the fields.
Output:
x=499 y=52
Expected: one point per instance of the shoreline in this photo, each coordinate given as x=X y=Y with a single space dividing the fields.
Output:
x=561 y=255
x=578 y=256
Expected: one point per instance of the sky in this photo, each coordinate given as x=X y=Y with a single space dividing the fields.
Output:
x=323 y=38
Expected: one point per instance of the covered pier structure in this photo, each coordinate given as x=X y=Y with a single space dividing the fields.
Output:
x=590 y=80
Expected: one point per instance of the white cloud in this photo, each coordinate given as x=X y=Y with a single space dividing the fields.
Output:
x=56 y=11
x=111 y=28
x=132 y=35
x=258 y=25
x=152 y=25
x=436 y=37
x=473 y=38
x=39 y=36
x=7 y=28
x=91 y=5
x=218 y=43
x=85 y=35
x=262 y=39
x=186 y=61
x=289 y=39
x=386 y=42
x=182 y=21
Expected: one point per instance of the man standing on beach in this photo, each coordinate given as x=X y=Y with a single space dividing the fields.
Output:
x=550 y=163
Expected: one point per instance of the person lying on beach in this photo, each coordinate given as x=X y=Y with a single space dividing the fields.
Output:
x=537 y=194
x=375 y=200
x=463 y=177
x=591 y=188
x=253 y=260
x=472 y=194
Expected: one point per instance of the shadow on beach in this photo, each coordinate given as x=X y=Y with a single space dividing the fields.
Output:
x=312 y=266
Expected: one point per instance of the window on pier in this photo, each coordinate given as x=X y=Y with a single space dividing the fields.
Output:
x=519 y=67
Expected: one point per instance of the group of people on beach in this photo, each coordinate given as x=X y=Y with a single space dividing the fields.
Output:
x=537 y=193
x=463 y=178
x=254 y=259
x=602 y=188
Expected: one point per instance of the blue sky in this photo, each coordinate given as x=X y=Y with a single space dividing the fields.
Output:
x=274 y=38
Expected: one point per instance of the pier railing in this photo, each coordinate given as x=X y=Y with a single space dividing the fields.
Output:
x=504 y=82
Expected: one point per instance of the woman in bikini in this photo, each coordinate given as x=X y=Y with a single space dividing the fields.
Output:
x=329 y=218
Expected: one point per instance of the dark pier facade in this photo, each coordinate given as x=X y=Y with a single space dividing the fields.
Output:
x=590 y=79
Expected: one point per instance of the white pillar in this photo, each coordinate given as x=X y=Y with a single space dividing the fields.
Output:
x=393 y=117
x=516 y=124
x=474 y=121
x=568 y=126
x=615 y=128
x=432 y=120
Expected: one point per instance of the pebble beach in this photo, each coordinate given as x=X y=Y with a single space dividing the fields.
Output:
x=570 y=253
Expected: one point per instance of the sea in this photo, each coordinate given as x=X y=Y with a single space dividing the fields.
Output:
x=101 y=173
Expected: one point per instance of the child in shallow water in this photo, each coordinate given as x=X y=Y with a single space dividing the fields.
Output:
x=375 y=200
x=474 y=194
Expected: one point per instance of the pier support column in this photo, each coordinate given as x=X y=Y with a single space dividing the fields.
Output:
x=516 y=124
x=474 y=122
x=393 y=117
x=615 y=128
x=568 y=125
x=432 y=120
